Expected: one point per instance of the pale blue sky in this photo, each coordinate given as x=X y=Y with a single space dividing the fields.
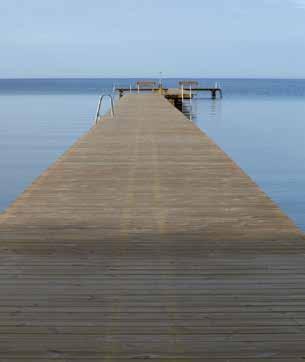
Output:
x=122 y=38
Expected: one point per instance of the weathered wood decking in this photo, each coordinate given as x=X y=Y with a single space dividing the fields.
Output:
x=145 y=241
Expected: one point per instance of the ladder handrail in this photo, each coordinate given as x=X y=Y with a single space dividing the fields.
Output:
x=97 y=117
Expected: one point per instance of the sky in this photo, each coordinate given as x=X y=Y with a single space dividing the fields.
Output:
x=136 y=38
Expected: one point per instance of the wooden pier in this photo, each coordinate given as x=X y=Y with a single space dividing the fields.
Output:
x=145 y=241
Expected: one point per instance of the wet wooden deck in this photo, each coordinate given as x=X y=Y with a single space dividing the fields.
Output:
x=145 y=241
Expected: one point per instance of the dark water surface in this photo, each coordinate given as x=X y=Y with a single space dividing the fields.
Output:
x=259 y=123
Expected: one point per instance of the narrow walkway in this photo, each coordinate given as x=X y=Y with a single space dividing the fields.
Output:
x=145 y=241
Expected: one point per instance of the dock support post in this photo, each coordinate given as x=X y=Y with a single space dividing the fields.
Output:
x=182 y=92
x=214 y=93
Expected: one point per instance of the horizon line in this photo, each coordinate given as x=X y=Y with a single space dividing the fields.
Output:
x=138 y=77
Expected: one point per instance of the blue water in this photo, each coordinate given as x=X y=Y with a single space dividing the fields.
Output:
x=259 y=123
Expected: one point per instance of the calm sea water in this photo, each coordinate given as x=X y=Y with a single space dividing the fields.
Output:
x=259 y=123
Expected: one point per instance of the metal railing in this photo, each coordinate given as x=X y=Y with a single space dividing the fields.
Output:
x=98 y=111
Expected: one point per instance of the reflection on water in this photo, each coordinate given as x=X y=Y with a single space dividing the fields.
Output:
x=214 y=106
x=190 y=108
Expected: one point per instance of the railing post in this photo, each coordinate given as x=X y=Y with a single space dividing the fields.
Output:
x=97 y=115
x=112 y=106
x=182 y=92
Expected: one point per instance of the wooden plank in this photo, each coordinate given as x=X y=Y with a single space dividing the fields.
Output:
x=145 y=241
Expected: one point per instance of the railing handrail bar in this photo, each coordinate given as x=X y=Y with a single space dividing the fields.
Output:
x=97 y=116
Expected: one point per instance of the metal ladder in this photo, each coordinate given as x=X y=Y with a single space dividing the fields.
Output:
x=98 y=111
